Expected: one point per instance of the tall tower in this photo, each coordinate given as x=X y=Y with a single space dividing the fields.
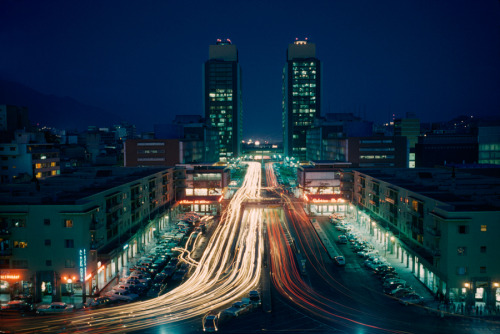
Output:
x=222 y=96
x=301 y=96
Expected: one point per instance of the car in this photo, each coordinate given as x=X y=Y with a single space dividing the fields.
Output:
x=122 y=295
x=393 y=281
x=402 y=292
x=55 y=308
x=342 y=239
x=237 y=308
x=339 y=260
x=411 y=298
x=169 y=271
x=210 y=322
x=179 y=275
x=155 y=290
x=390 y=289
x=254 y=296
x=99 y=302
x=383 y=269
x=16 y=307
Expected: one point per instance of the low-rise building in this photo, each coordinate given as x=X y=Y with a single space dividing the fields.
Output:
x=442 y=224
x=74 y=232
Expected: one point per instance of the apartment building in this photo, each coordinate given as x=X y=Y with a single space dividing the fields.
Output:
x=442 y=224
x=74 y=232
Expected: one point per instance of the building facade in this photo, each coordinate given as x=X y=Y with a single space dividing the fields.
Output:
x=319 y=184
x=75 y=232
x=442 y=149
x=441 y=224
x=222 y=97
x=301 y=103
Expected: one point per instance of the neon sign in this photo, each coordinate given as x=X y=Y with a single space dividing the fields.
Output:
x=83 y=264
x=200 y=201
x=10 y=276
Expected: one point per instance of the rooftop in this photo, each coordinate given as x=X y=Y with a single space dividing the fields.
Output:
x=462 y=191
x=72 y=188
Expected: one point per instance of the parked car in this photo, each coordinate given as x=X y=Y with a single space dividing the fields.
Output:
x=179 y=275
x=383 y=269
x=254 y=296
x=393 y=281
x=342 y=239
x=211 y=322
x=122 y=295
x=400 y=293
x=19 y=307
x=155 y=290
x=411 y=298
x=100 y=302
x=339 y=260
x=55 y=308
x=391 y=289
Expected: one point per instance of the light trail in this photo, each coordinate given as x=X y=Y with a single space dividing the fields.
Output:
x=287 y=279
x=229 y=267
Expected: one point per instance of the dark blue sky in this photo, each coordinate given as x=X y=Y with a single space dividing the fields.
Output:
x=143 y=59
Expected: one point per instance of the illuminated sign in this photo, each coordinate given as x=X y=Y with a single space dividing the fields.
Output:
x=323 y=200
x=10 y=276
x=201 y=201
x=125 y=247
x=83 y=264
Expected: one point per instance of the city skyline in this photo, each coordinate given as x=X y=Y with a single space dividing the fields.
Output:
x=438 y=60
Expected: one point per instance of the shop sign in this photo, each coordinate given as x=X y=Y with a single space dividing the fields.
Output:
x=83 y=264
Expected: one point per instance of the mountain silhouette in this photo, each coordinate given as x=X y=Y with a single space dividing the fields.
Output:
x=54 y=111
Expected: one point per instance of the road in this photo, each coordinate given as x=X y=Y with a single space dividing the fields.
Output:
x=230 y=266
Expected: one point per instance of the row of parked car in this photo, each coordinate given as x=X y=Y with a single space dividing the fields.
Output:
x=23 y=305
x=392 y=284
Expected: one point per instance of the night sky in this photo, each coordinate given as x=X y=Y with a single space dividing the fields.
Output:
x=143 y=59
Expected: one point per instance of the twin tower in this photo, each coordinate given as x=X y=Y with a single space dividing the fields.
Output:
x=301 y=96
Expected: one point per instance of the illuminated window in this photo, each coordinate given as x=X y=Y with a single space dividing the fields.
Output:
x=38 y=175
x=68 y=223
x=52 y=164
x=38 y=166
x=54 y=172
x=483 y=228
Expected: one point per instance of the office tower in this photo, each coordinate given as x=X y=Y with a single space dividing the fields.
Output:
x=301 y=96
x=222 y=96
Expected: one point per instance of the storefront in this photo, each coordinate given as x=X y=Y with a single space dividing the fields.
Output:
x=14 y=282
x=325 y=204
x=201 y=206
